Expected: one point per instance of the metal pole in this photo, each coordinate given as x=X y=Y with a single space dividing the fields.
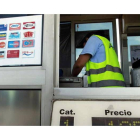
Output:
x=57 y=37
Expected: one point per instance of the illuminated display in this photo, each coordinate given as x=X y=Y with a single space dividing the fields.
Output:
x=115 y=121
x=66 y=121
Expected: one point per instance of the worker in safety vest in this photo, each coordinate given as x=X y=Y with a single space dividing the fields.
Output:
x=101 y=62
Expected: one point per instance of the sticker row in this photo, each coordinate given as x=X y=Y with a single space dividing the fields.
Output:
x=16 y=35
x=16 y=44
x=17 y=26
x=15 y=54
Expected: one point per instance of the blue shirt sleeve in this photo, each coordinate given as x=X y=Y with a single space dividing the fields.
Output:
x=91 y=46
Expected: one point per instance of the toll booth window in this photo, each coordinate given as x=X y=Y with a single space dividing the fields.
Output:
x=133 y=59
x=65 y=49
x=81 y=31
x=133 y=41
x=71 y=47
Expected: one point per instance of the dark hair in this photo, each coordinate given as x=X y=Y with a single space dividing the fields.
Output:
x=89 y=35
x=104 y=33
x=82 y=37
x=85 y=38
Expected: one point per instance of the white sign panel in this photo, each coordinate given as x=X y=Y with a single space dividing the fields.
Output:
x=21 y=40
x=96 y=113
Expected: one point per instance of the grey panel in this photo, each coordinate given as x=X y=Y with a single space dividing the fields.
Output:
x=124 y=41
x=20 y=107
x=135 y=76
x=126 y=73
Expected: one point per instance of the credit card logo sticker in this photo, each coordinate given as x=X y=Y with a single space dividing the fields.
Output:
x=28 y=54
x=13 y=54
x=28 y=25
x=28 y=43
x=3 y=27
x=2 y=45
x=29 y=34
x=14 y=35
x=13 y=44
x=2 y=36
x=15 y=26
x=2 y=54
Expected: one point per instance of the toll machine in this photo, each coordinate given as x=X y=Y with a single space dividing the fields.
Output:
x=53 y=102
x=82 y=106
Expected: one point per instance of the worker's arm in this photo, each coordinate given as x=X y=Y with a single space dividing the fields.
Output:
x=80 y=63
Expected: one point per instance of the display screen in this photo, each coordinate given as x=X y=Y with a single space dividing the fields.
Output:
x=98 y=121
x=66 y=121
x=21 y=41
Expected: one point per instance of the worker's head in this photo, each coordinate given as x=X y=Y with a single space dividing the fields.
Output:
x=88 y=35
x=86 y=39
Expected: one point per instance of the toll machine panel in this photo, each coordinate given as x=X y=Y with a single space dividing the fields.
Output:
x=96 y=113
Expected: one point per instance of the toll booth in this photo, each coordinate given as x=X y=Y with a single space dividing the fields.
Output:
x=36 y=86
x=74 y=104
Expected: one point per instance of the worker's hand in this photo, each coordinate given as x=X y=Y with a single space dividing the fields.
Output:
x=80 y=63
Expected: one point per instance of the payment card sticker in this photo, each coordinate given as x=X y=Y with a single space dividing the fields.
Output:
x=2 y=45
x=29 y=34
x=28 y=25
x=28 y=54
x=28 y=43
x=3 y=27
x=15 y=26
x=2 y=36
x=13 y=54
x=14 y=35
x=13 y=44
x=2 y=54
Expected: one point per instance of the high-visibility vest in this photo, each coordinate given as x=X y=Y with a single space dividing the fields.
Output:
x=106 y=73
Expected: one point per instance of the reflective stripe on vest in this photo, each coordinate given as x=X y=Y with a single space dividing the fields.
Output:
x=106 y=83
x=101 y=70
x=108 y=75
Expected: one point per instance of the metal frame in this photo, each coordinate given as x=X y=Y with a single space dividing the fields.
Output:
x=97 y=93
x=48 y=65
x=56 y=53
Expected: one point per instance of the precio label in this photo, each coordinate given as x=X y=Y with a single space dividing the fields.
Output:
x=116 y=113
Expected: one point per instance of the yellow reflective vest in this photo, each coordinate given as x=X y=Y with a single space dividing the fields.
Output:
x=106 y=73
